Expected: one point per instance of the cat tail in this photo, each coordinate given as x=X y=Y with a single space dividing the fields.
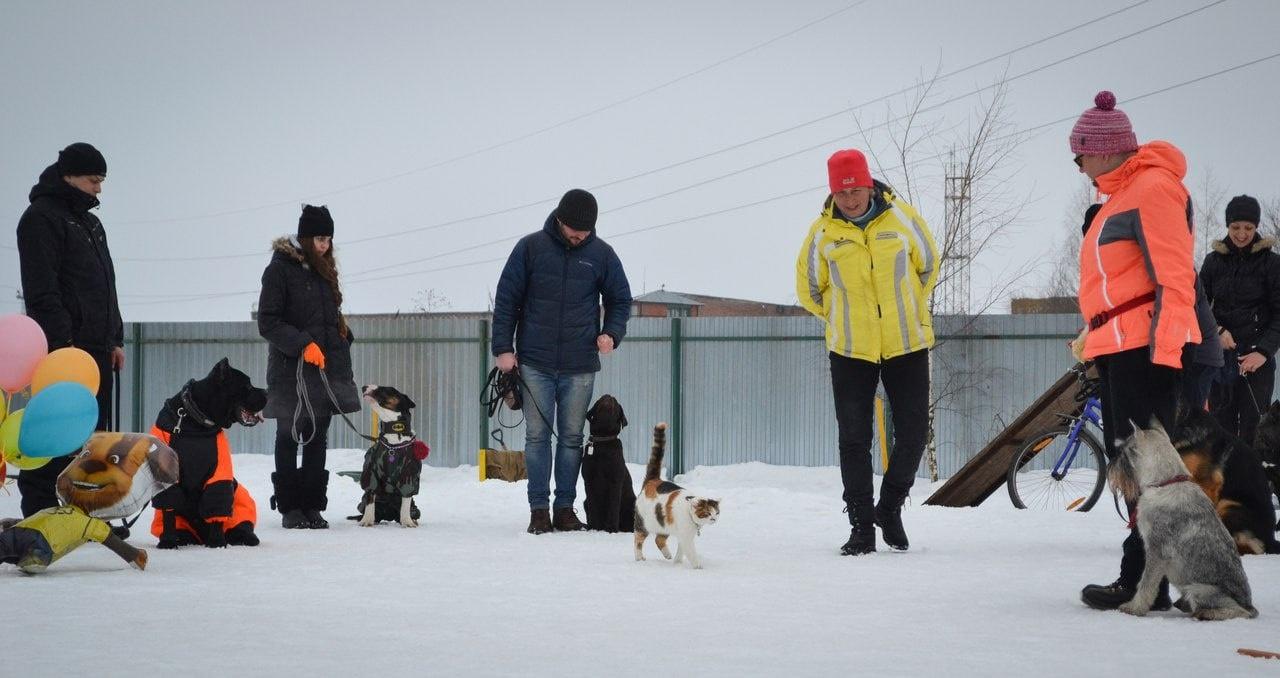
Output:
x=654 y=470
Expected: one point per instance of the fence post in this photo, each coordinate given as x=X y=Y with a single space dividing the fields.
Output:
x=484 y=377
x=138 y=390
x=677 y=448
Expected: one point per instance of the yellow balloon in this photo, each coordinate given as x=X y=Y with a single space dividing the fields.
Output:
x=66 y=364
x=9 y=445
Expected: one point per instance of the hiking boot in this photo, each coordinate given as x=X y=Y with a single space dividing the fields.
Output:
x=862 y=536
x=295 y=520
x=539 y=521
x=315 y=521
x=566 y=520
x=888 y=517
x=1118 y=593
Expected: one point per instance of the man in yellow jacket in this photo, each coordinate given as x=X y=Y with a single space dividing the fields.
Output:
x=867 y=269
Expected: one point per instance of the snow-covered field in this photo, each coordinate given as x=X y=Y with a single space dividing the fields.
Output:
x=986 y=591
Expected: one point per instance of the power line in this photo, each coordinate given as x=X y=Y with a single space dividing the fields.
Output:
x=1024 y=131
x=886 y=123
x=711 y=154
x=513 y=140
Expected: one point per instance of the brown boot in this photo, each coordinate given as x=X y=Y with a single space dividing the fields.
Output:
x=566 y=520
x=539 y=521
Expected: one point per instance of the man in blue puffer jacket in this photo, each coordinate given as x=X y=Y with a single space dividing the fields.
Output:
x=548 y=301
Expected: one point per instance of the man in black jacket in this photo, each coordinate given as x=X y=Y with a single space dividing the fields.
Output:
x=547 y=308
x=69 y=285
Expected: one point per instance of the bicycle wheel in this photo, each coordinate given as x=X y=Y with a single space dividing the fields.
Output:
x=1031 y=479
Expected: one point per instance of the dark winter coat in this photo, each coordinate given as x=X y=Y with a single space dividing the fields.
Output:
x=548 y=301
x=68 y=280
x=295 y=308
x=1244 y=287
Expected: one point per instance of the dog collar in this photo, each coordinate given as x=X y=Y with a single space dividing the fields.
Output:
x=1181 y=478
x=189 y=409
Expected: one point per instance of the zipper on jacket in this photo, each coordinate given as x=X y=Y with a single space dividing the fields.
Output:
x=564 y=287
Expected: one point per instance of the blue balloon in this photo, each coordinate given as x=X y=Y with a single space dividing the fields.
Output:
x=58 y=420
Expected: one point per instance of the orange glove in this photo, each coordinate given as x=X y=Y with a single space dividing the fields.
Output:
x=313 y=355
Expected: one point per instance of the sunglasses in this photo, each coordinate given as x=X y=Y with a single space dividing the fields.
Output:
x=1079 y=160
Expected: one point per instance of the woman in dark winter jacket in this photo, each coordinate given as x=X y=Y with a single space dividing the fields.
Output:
x=300 y=316
x=1242 y=281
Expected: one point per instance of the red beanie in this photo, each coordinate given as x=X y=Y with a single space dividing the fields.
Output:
x=848 y=169
x=1103 y=129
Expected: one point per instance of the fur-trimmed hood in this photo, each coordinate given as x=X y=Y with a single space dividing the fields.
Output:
x=1225 y=246
x=288 y=248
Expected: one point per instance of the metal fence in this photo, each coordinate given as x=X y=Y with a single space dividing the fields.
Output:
x=733 y=389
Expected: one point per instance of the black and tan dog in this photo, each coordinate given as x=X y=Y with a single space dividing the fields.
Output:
x=207 y=505
x=1230 y=473
x=1267 y=443
x=393 y=465
x=611 y=498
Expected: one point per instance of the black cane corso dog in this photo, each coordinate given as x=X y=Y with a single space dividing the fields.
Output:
x=611 y=498
x=207 y=505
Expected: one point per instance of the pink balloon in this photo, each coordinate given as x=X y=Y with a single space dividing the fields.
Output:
x=22 y=347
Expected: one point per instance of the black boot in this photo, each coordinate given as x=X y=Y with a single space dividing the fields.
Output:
x=888 y=517
x=862 y=536
x=315 y=497
x=1119 y=592
x=287 y=486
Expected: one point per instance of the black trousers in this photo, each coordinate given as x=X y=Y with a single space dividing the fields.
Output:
x=906 y=383
x=37 y=485
x=313 y=453
x=1239 y=403
x=1135 y=390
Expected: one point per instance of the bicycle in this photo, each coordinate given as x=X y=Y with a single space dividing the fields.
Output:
x=1070 y=484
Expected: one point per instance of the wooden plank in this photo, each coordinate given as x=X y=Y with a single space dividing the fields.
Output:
x=986 y=471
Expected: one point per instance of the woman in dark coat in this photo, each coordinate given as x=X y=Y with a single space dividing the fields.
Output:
x=1242 y=280
x=300 y=316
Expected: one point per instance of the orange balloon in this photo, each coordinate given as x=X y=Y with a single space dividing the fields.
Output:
x=66 y=364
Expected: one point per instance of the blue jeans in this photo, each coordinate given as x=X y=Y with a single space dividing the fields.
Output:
x=564 y=399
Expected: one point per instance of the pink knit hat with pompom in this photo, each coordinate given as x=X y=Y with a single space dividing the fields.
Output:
x=1103 y=130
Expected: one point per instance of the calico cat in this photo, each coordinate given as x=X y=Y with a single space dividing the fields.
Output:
x=664 y=509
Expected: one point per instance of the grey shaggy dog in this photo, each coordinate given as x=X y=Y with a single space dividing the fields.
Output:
x=1183 y=536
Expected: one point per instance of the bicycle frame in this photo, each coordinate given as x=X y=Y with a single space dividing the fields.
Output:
x=1092 y=413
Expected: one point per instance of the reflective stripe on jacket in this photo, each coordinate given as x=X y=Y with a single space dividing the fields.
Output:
x=1140 y=243
x=870 y=286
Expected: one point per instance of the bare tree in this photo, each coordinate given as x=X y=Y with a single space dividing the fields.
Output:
x=1064 y=274
x=969 y=167
x=1271 y=217
x=1208 y=201
x=430 y=301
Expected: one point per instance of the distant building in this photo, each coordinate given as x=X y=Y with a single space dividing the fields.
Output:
x=664 y=304
x=1029 y=305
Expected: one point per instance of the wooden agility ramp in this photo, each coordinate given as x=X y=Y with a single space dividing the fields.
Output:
x=987 y=471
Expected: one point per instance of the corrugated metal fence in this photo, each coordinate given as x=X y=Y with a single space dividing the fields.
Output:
x=733 y=389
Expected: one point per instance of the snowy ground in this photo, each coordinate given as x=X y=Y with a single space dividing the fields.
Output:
x=987 y=591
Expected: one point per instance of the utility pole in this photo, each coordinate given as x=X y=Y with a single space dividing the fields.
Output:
x=957 y=250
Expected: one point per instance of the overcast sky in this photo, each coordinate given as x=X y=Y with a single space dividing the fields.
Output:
x=440 y=132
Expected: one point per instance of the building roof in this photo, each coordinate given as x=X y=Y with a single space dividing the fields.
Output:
x=665 y=297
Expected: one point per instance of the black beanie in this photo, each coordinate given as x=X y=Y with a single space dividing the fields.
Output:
x=578 y=210
x=1244 y=208
x=315 y=221
x=81 y=159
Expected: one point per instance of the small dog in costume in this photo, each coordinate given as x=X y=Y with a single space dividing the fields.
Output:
x=114 y=476
x=393 y=466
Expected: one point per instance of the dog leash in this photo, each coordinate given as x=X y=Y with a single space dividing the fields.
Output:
x=301 y=392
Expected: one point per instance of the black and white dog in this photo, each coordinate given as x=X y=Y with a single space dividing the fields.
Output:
x=393 y=465
x=611 y=497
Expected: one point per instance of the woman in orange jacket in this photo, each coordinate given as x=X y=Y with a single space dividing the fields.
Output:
x=1137 y=292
